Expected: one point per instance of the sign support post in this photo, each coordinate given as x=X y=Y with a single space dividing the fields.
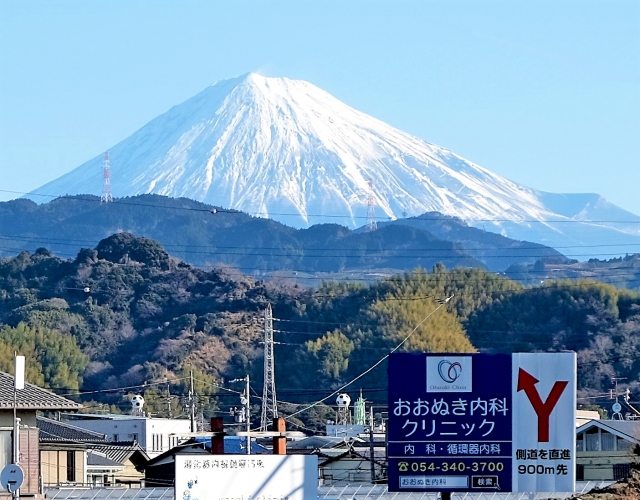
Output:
x=14 y=483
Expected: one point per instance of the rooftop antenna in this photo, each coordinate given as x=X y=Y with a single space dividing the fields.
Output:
x=372 y=225
x=106 y=179
x=269 y=403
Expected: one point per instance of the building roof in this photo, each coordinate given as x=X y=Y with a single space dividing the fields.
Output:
x=56 y=431
x=320 y=443
x=626 y=429
x=112 y=416
x=32 y=397
x=353 y=455
x=167 y=457
x=235 y=445
x=99 y=460
x=121 y=452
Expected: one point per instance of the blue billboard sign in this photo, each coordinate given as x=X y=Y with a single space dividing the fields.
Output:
x=481 y=422
x=449 y=422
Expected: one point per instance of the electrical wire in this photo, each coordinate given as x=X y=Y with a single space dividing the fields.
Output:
x=373 y=366
x=95 y=199
x=75 y=242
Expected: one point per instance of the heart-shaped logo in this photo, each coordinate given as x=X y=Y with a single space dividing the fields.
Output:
x=448 y=371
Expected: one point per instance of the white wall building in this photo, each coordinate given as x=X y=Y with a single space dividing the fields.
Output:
x=154 y=435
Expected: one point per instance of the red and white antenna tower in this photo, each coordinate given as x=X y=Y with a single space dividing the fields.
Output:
x=372 y=225
x=106 y=180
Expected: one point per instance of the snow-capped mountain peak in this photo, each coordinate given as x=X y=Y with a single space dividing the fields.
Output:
x=286 y=149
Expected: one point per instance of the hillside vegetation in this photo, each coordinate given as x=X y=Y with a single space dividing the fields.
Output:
x=190 y=231
x=125 y=313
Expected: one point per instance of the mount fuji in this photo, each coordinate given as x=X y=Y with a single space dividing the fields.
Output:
x=287 y=150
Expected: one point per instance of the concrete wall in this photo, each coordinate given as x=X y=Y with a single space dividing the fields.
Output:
x=140 y=428
x=26 y=418
x=129 y=474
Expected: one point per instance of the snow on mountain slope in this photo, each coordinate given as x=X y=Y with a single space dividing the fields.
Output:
x=288 y=150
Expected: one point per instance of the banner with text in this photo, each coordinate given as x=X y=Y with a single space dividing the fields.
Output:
x=242 y=477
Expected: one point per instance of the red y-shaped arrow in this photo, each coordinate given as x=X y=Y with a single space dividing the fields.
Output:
x=527 y=383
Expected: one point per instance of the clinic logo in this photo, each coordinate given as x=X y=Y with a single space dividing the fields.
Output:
x=448 y=371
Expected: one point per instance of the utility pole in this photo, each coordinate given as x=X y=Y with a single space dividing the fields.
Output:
x=248 y=414
x=245 y=400
x=371 y=448
x=18 y=384
x=192 y=404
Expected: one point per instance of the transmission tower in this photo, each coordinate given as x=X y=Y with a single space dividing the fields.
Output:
x=106 y=180
x=269 y=404
x=372 y=225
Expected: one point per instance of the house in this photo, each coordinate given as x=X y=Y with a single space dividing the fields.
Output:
x=63 y=452
x=131 y=456
x=154 y=435
x=29 y=401
x=101 y=470
x=72 y=455
x=606 y=449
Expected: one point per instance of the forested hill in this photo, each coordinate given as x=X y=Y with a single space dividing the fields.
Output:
x=125 y=313
x=189 y=230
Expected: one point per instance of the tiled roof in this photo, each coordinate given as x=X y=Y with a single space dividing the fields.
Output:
x=32 y=397
x=120 y=452
x=54 y=431
x=98 y=459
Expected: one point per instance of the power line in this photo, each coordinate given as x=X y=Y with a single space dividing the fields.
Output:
x=375 y=365
x=334 y=253
x=444 y=217
x=75 y=242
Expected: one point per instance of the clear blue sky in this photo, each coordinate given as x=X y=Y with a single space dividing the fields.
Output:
x=546 y=93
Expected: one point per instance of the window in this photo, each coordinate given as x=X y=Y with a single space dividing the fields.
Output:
x=156 y=442
x=591 y=440
x=608 y=440
x=624 y=445
x=71 y=466
x=579 y=472
x=621 y=471
x=580 y=442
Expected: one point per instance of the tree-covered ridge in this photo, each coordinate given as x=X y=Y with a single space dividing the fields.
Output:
x=190 y=231
x=126 y=313
x=598 y=321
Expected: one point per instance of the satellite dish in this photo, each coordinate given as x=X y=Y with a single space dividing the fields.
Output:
x=616 y=408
